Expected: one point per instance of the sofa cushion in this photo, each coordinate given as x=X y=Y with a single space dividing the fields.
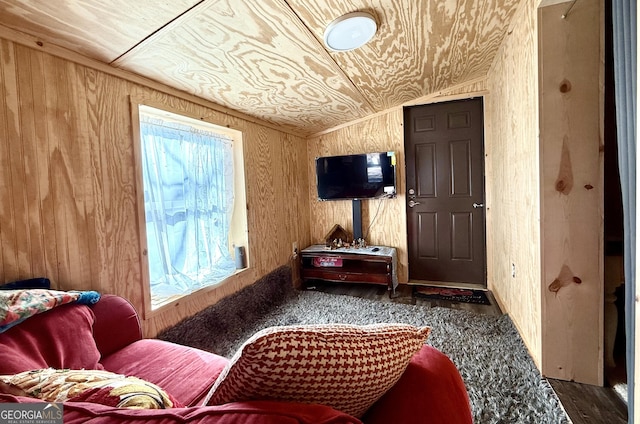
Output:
x=431 y=390
x=59 y=338
x=187 y=373
x=96 y=386
x=347 y=367
x=235 y=413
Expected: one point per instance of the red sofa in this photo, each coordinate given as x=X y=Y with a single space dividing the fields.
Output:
x=108 y=336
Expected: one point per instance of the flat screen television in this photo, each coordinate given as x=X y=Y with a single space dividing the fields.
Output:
x=359 y=176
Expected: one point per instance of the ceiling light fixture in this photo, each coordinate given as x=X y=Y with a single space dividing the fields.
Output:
x=350 y=31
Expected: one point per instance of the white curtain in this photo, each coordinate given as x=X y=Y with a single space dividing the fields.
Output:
x=625 y=70
x=188 y=192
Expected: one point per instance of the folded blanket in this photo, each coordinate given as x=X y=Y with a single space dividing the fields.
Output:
x=18 y=305
x=95 y=386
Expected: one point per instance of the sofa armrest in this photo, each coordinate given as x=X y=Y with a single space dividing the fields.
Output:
x=431 y=390
x=117 y=324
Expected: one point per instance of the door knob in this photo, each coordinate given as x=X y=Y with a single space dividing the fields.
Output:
x=478 y=205
x=413 y=203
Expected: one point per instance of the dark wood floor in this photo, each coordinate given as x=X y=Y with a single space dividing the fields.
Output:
x=585 y=404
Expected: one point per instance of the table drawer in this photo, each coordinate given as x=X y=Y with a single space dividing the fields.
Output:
x=342 y=275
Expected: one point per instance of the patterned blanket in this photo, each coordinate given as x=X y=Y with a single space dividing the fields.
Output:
x=18 y=305
x=95 y=386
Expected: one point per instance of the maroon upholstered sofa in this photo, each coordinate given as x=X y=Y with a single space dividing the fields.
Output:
x=108 y=336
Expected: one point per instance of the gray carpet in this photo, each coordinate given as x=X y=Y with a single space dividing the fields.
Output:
x=503 y=384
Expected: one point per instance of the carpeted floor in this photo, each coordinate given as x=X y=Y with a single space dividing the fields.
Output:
x=503 y=383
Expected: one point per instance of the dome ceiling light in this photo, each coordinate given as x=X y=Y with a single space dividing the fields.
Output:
x=350 y=31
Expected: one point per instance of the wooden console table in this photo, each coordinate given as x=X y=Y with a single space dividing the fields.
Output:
x=372 y=264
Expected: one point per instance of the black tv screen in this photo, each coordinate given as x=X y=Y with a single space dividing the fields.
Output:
x=359 y=176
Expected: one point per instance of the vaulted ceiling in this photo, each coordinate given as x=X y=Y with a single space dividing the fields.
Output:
x=266 y=58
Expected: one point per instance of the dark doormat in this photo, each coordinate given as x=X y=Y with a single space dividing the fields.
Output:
x=452 y=294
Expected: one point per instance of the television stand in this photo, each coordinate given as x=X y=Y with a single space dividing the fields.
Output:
x=372 y=264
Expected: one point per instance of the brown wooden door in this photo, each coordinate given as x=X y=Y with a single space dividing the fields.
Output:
x=444 y=148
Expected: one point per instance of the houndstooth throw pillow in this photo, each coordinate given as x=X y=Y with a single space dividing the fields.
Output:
x=347 y=367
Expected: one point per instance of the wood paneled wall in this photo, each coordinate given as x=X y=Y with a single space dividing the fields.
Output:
x=545 y=168
x=513 y=179
x=67 y=180
x=383 y=220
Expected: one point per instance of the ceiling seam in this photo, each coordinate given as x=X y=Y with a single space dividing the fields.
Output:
x=154 y=33
x=331 y=58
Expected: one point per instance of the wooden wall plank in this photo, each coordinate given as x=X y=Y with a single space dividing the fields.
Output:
x=44 y=201
x=295 y=195
x=114 y=144
x=513 y=179
x=572 y=230
x=82 y=173
x=94 y=204
x=9 y=263
x=30 y=79
x=61 y=178
x=262 y=196
x=50 y=117
x=77 y=158
x=16 y=167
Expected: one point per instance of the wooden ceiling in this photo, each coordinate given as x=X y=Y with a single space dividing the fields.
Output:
x=266 y=58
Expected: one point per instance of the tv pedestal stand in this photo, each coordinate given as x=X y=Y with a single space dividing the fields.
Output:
x=356 y=212
x=371 y=264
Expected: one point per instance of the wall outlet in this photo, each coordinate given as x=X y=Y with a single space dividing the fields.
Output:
x=294 y=247
x=513 y=270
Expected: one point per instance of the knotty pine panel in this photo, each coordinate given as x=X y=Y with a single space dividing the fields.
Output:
x=513 y=179
x=67 y=182
x=572 y=165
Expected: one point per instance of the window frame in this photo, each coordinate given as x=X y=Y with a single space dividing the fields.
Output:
x=238 y=234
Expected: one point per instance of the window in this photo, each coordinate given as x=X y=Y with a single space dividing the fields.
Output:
x=189 y=170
